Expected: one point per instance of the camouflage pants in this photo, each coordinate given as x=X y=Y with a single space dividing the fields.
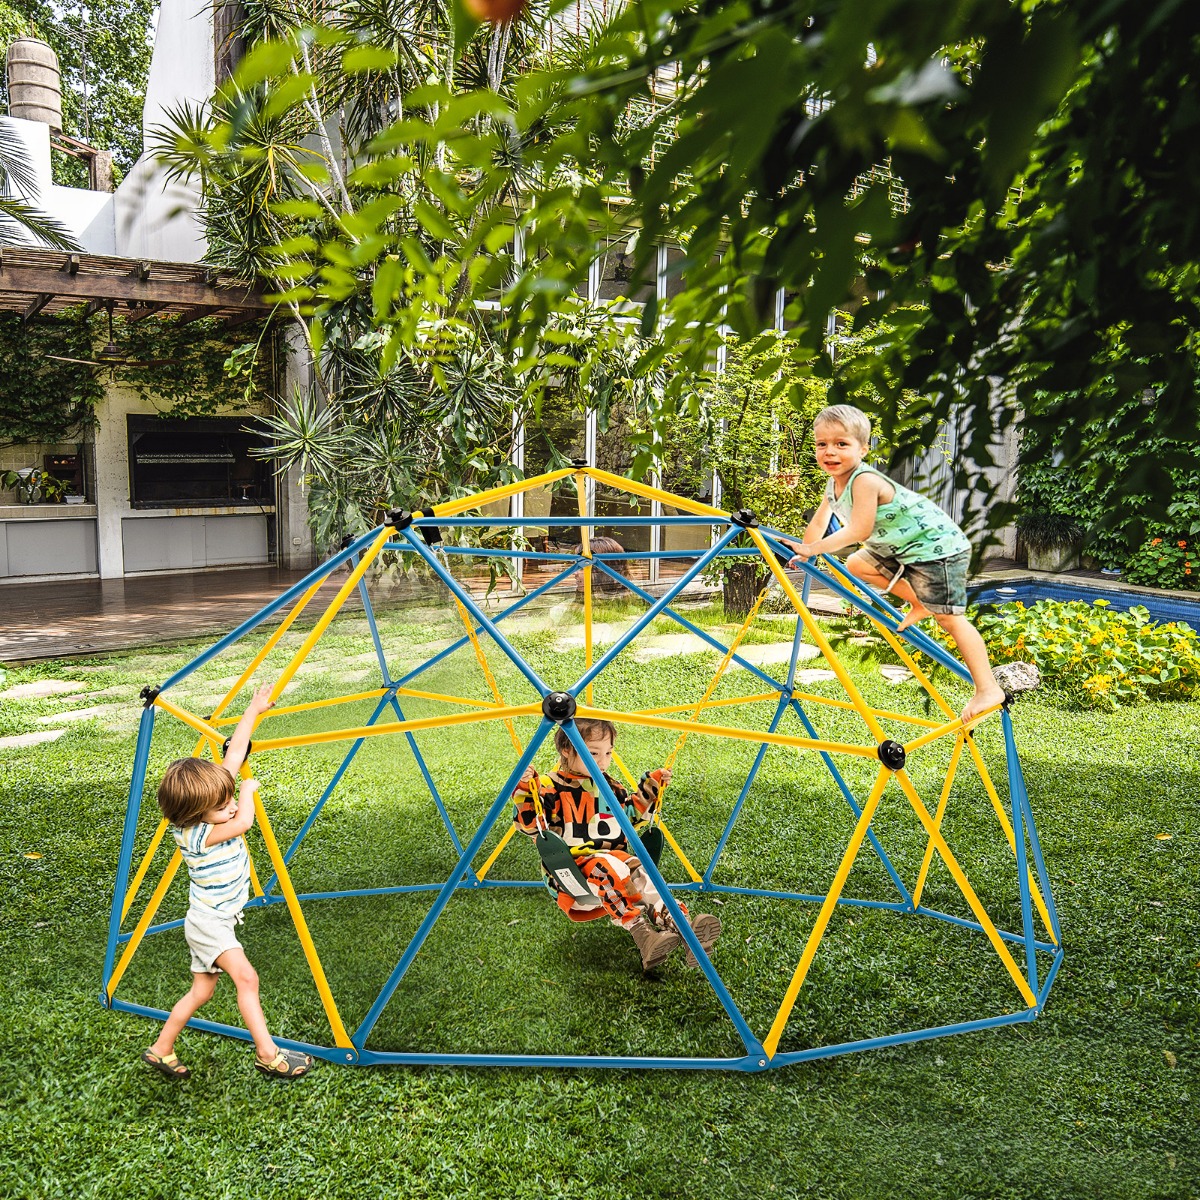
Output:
x=617 y=879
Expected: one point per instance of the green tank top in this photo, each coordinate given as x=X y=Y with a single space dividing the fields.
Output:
x=909 y=528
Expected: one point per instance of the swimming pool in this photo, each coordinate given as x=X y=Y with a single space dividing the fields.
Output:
x=1028 y=591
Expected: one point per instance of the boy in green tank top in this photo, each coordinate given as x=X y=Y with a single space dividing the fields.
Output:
x=910 y=547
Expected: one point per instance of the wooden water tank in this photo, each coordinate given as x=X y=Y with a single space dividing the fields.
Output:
x=34 y=82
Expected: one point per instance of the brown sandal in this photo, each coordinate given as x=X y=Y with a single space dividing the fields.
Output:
x=287 y=1064
x=167 y=1064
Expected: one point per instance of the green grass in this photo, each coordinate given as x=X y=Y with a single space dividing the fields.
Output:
x=1095 y=1099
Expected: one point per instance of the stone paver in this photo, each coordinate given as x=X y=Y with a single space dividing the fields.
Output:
x=773 y=652
x=39 y=689
x=81 y=714
x=814 y=675
x=30 y=739
x=894 y=673
x=666 y=645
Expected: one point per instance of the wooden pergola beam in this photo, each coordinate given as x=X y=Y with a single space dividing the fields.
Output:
x=195 y=314
x=35 y=306
x=142 y=311
x=81 y=286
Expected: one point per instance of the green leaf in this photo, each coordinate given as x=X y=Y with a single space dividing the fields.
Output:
x=368 y=58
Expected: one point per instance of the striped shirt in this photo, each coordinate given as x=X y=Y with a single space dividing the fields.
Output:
x=220 y=874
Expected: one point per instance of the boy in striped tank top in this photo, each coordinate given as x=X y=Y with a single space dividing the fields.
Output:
x=208 y=823
x=910 y=547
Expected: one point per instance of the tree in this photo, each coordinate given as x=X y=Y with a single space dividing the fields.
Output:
x=114 y=37
x=1044 y=243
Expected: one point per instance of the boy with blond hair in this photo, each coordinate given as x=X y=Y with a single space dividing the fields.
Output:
x=208 y=823
x=910 y=547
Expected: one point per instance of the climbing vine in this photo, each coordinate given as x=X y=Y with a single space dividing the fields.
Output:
x=189 y=370
x=41 y=398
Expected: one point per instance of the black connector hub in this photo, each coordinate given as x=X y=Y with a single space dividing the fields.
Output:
x=558 y=706
x=891 y=754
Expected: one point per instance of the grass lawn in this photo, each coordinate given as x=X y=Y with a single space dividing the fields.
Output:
x=1094 y=1099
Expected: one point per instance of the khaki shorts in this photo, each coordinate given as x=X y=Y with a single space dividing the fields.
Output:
x=209 y=934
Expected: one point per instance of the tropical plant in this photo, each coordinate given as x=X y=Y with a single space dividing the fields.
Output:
x=19 y=220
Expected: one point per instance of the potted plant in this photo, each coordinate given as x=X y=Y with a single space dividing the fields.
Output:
x=34 y=485
x=1052 y=539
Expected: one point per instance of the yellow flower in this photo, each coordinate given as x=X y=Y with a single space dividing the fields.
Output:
x=1099 y=684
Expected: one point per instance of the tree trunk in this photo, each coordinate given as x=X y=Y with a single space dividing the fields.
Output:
x=740 y=586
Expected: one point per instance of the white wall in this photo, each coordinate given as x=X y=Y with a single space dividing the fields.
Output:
x=154 y=219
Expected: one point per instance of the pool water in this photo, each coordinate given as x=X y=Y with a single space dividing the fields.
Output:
x=1029 y=591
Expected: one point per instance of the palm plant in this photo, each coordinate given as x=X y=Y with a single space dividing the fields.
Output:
x=18 y=220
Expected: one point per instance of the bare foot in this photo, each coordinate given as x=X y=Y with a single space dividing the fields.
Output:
x=917 y=612
x=980 y=702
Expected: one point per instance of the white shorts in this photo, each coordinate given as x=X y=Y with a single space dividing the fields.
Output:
x=209 y=934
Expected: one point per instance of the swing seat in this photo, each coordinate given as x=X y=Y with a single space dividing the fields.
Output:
x=576 y=899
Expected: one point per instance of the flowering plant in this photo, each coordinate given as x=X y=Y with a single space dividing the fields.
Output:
x=1166 y=559
x=1093 y=655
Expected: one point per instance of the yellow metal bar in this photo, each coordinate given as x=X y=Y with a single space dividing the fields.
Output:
x=716 y=680
x=937 y=819
x=827 y=906
x=139 y=931
x=1009 y=832
x=453 y=508
x=744 y=735
x=269 y=645
x=327 y=616
x=629 y=779
x=585 y=544
x=201 y=726
x=954 y=726
x=495 y=854
x=678 y=852
x=340 y=1036
x=727 y=703
x=863 y=709
x=446 y=699
x=652 y=493
x=469 y=626
x=977 y=757
x=886 y=714
x=445 y=721
x=257 y=887
x=965 y=887
x=151 y=850
x=295 y=708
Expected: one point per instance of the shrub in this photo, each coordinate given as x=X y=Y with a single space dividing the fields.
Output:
x=1167 y=560
x=1093 y=655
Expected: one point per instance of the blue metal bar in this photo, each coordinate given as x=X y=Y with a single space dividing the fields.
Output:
x=885 y=612
x=1010 y=754
x=543 y=1061
x=503 y=800
x=512 y=608
x=849 y=901
x=1058 y=959
x=1015 y=938
x=752 y=1044
x=662 y=602
x=337 y=1054
x=776 y=686
x=902 y=1039
x=1035 y=844
x=793 y=662
x=831 y=766
x=326 y=568
x=562 y=522
x=437 y=799
x=133 y=807
x=614 y=556
x=737 y=808
x=366 y=603
x=320 y=804
x=491 y=552
x=464 y=598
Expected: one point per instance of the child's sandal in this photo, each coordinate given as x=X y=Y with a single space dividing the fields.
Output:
x=287 y=1064
x=168 y=1064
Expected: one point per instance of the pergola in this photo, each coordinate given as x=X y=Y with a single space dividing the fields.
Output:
x=35 y=280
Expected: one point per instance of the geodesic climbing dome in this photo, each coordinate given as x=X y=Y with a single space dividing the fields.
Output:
x=884 y=748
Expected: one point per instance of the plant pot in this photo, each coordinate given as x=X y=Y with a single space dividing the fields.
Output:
x=76 y=499
x=1061 y=557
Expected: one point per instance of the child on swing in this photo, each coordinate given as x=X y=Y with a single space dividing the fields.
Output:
x=572 y=808
x=910 y=547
